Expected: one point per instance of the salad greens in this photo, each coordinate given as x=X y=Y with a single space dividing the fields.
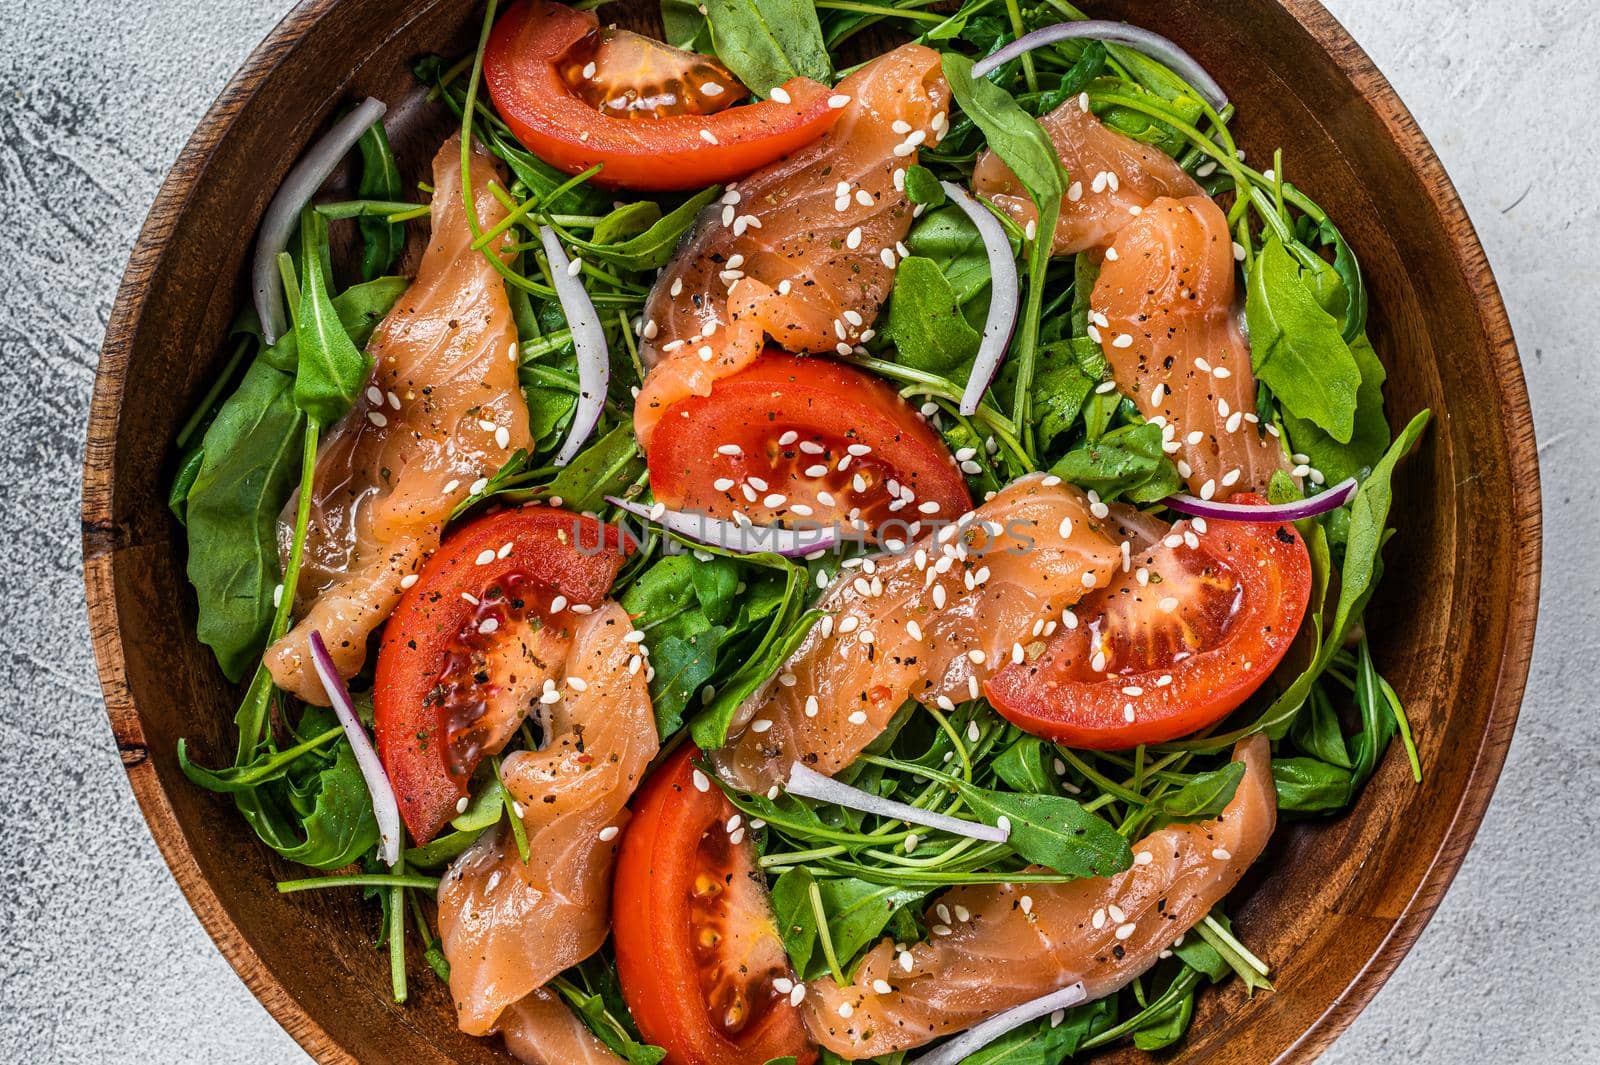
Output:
x=719 y=625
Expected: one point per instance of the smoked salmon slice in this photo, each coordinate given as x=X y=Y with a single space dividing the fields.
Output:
x=931 y=624
x=803 y=250
x=998 y=946
x=540 y=1030
x=1111 y=179
x=442 y=410
x=1163 y=312
x=508 y=926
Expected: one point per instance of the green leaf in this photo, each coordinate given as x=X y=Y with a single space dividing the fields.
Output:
x=1052 y=831
x=605 y=467
x=1203 y=796
x=381 y=242
x=331 y=370
x=685 y=26
x=324 y=822
x=925 y=322
x=1368 y=438
x=923 y=187
x=251 y=465
x=626 y=221
x=360 y=308
x=767 y=42
x=1026 y=766
x=794 y=918
x=1296 y=346
x=1044 y=1043
x=597 y=1016
x=441 y=850
x=652 y=248
x=948 y=237
x=183 y=481
x=1125 y=463
x=1013 y=134
x=1369 y=515
x=1060 y=390
x=1308 y=785
x=266 y=767
x=857 y=913
x=1316 y=730
x=682 y=664
x=1165 y=1026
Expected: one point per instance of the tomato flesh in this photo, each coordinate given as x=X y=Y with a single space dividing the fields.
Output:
x=697 y=951
x=806 y=440
x=534 y=69
x=479 y=627
x=1195 y=626
x=622 y=74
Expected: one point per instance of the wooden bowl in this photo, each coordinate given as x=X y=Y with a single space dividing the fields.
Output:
x=1336 y=903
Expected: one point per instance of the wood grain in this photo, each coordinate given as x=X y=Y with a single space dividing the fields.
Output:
x=1336 y=904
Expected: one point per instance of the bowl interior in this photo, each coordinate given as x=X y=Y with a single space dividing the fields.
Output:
x=1334 y=905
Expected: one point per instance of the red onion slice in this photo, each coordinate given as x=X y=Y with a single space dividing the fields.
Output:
x=810 y=784
x=1141 y=40
x=1321 y=503
x=384 y=804
x=981 y=1035
x=1005 y=295
x=594 y=359
x=730 y=535
x=283 y=214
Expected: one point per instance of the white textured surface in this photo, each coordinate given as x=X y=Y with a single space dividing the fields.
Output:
x=100 y=959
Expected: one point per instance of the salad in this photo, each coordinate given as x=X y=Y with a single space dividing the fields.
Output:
x=833 y=535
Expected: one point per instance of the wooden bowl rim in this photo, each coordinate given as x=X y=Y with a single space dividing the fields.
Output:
x=100 y=537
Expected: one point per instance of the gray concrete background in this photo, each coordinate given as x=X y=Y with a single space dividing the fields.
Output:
x=100 y=959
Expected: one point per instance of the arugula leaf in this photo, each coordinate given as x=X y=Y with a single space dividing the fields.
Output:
x=1126 y=462
x=1205 y=795
x=592 y=1009
x=360 y=308
x=948 y=237
x=1370 y=430
x=1045 y=1043
x=682 y=664
x=650 y=248
x=605 y=467
x=251 y=464
x=381 y=241
x=1308 y=785
x=1061 y=388
x=330 y=370
x=1369 y=515
x=319 y=814
x=767 y=42
x=794 y=918
x=857 y=913
x=1052 y=830
x=1296 y=347
x=1316 y=730
x=925 y=321
x=923 y=187
x=1018 y=139
x=685 y=26
x=1025 y=766
x=1166 y=1025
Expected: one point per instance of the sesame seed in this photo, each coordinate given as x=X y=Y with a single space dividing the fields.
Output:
x=1125 y=931
x=1221 y=854
x=760 y=725
x=1144 y=858
x=733 y=450
x=707 y=136
x=781 y=95
x=377 y=418
x=838 y=101
x=858 y=717
x=701 y=783
x=1075 y=192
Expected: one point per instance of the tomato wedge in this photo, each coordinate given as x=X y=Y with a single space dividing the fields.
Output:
x=642 y=140
x=697 y=951
x=805 y=439
x=1194 y=627
x=470 y=643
